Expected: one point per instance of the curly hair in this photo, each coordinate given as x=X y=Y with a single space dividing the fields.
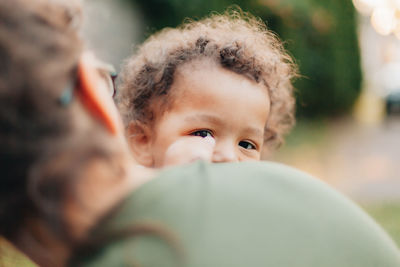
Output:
x=235 y=40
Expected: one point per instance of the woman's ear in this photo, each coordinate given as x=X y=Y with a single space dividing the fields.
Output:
x=140 y=141
x=95 y=98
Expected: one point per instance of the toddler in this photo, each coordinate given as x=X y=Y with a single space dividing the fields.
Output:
x=225 y=78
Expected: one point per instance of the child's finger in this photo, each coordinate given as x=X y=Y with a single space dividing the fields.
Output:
x=188 y=149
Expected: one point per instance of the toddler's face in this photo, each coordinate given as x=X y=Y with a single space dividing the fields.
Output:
x=209 y=101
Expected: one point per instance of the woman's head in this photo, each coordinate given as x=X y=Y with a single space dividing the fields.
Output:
x=39 y=55
x=235 y=41
x=46 y=135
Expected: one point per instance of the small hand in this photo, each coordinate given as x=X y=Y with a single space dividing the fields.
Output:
x=188 y=149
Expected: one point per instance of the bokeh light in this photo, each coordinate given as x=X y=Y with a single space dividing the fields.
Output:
x=385 y=15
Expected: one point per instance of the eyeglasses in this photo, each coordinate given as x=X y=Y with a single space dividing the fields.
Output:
x=106 y=73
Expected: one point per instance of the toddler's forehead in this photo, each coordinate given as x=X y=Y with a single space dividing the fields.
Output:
x=192 y=80
x=200 y=66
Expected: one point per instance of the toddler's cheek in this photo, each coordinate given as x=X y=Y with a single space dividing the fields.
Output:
x=188 y=149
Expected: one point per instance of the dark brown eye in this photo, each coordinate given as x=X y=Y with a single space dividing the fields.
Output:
x=247 y=145
x=202 y=133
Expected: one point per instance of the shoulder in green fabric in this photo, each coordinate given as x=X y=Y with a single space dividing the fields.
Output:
x=245 y=214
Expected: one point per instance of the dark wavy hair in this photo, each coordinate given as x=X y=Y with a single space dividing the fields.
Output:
x=236 y=41
x=41 y=145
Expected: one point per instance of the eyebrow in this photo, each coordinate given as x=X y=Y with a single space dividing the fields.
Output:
x=254 y=132
x=218 y=121
x=204 y=117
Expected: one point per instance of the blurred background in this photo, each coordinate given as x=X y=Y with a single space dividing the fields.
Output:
x=348 y=98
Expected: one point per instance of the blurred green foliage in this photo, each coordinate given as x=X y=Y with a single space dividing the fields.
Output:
x=320 y=34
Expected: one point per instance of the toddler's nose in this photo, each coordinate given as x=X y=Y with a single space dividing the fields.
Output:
x=224 y=152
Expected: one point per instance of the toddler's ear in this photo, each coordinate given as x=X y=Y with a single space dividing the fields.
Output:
x=139 y=139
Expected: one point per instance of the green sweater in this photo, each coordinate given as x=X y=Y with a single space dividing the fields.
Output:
x=246 y=214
